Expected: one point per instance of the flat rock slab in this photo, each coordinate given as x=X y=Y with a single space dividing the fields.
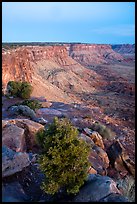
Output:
x=96 y=189
x=13 y=162
x=49 y=111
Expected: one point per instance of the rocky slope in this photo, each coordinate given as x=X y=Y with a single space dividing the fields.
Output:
x=124 y=48
x=92 y=54
x=49 y=69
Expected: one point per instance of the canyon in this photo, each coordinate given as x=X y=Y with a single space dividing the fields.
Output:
x=84 y=82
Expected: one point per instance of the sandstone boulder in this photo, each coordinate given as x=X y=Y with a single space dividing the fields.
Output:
x=97 y=139
x=24 y=130
x=13 y=137
x=102 y=154
x=97 y=163
x=86 y=139
x=13 y=162
x=96 y=188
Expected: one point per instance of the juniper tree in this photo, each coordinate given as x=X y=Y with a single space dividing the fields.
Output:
x=64 y=157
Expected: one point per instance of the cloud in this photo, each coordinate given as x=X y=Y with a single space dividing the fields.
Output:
x=117 y=30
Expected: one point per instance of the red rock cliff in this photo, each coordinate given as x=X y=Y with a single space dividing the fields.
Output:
x=91 y=54
x=17 y=64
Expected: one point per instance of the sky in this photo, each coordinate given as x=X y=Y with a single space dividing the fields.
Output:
x=84 y=22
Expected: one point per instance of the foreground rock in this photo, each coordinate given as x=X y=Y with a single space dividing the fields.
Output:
x=13 y=137
x=119 y=158
x=19 y=134
x=96 y=188
x=86 y=139
x=102 y=154
x=13 y=162
x=95 y=136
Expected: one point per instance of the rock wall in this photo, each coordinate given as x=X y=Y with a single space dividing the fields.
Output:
x=91 y=54
x=17 y=64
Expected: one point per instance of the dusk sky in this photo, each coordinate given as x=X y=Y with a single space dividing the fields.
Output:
x=85 y=22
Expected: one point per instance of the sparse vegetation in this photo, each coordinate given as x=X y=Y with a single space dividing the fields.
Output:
x=19 y=89
x=31 y=103
x=104 y=131
x=64 y=158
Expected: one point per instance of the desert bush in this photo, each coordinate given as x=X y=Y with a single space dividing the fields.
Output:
x=104 y=131
x=64 y=158
x=26 y=90
x=19 y=89
x=13 y=88
x=33 y=104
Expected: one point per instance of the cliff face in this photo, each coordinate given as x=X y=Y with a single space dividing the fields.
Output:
x=57 y=71
x=50 y=70
x=16 y=66
x=124 y=48
x=17 y=63
x=91 y=54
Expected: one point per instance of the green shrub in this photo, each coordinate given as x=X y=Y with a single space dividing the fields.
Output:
x=26 y=90
x=14 y=88
x=19 y=89
x=64 y=157
x=104 y=131
x=33 y=104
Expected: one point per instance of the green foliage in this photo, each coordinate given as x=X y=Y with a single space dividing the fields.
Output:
x=26 y=90
x=14 y=88
x=105 y=132
x=33 y=104
x=64 y=157
x=19 y=89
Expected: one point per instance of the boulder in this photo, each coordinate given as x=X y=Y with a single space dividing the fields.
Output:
x=97 y=139
x=22 y=109
x=29 y=127
x=119 y=158
x=102 y=154
x=13 y=137
x=97 y=163
x=13 y=162
x=13 y=192
x=96 y=188
x=86 y=139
